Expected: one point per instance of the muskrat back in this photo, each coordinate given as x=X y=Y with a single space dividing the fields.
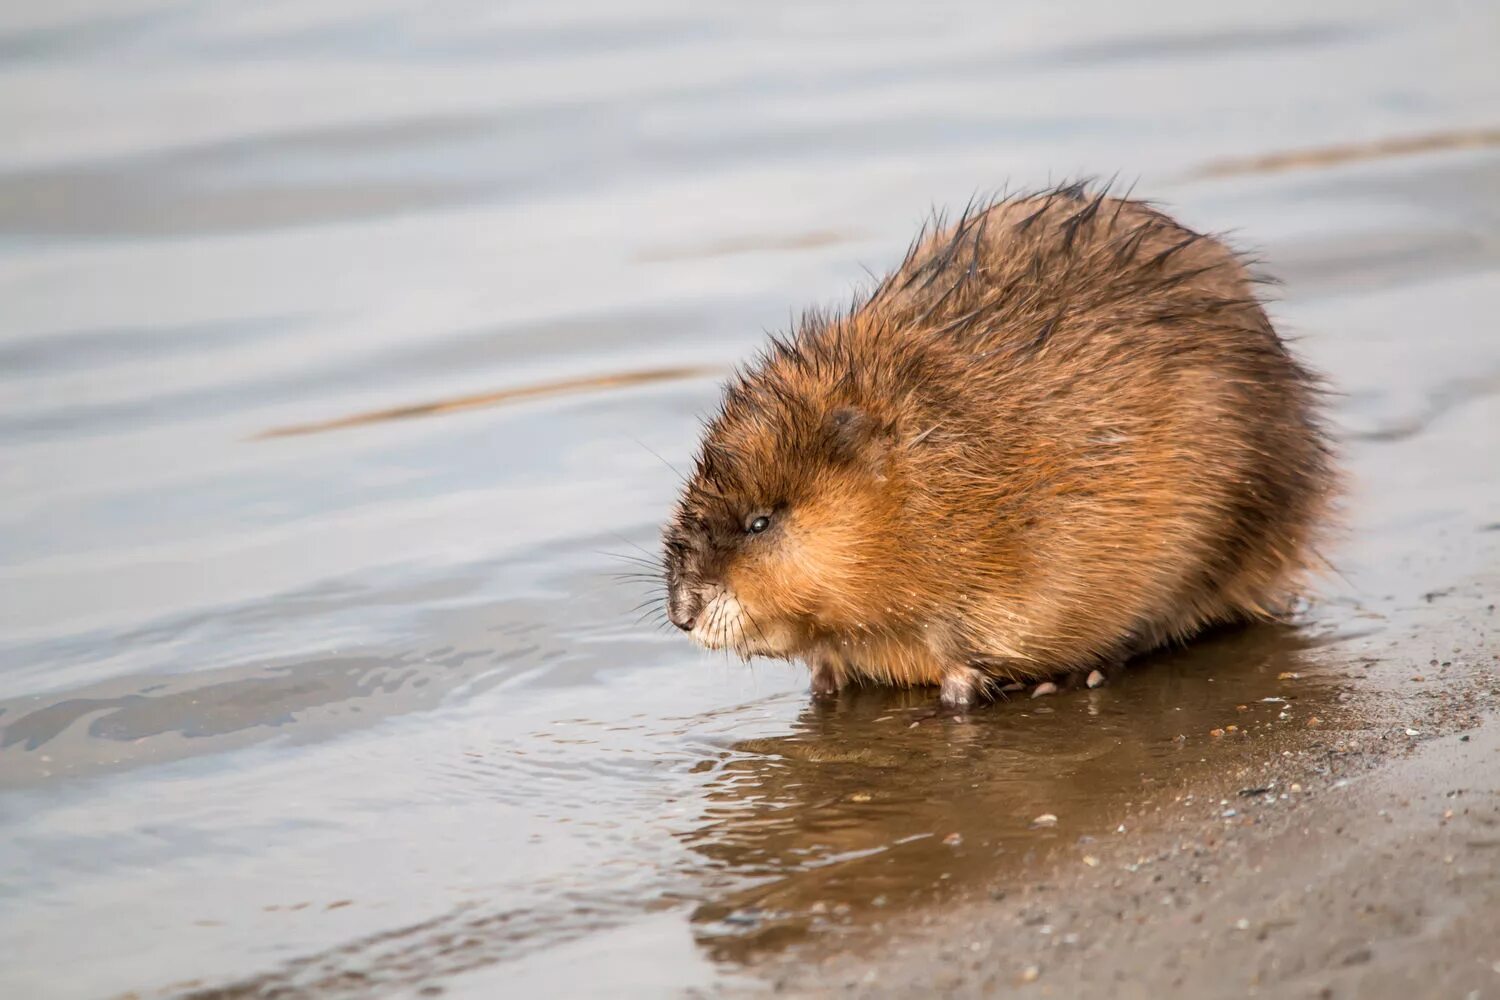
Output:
x=1062 y=432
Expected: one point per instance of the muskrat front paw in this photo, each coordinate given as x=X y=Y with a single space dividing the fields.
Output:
x=826 y=681
x=962 y=687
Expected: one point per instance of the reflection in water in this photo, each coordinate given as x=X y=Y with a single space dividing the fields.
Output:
x=879 y=804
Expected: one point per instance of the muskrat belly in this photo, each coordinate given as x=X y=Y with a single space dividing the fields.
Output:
x=892 y=661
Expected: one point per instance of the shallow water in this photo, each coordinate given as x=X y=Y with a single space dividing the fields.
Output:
x=366 y=704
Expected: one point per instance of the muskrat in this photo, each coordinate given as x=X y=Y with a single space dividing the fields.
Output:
x=1061 y=433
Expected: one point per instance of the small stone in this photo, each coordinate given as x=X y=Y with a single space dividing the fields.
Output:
x=1314 y=722
x=1418 y=677
x=860 y=797
x=1413 y=732
x=1287 y=675
x=1096 y=678
x=1216 y=732
x=1091 y=861
x=1046 y=687
x=953 y=839
x=1044 y=820
x=1030 y=974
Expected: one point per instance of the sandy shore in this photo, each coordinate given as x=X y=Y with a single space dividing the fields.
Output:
x=1365 y=865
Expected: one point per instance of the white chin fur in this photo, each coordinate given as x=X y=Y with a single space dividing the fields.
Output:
x=723 y=624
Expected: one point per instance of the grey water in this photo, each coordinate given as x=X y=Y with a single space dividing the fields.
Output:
x=344 y=351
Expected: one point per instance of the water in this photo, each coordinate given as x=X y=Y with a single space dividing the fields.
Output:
x=343 y=350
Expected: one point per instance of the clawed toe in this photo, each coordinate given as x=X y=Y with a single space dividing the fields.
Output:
x=826 y=682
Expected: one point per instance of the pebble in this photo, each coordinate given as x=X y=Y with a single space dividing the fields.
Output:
x=1044 y=820
x=1046 y=687
x=1091 y=861
x=1030 y=974
x=953 y=839
x=1314 y=722
x=1216 y=732
x=1096 y=678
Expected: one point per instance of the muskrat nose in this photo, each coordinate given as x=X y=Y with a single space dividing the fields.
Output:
x=682 y=608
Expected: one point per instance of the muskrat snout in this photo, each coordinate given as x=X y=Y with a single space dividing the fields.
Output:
x=685 y=593
x=683 y=607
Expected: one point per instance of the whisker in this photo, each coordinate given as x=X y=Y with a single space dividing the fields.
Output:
x=681 y=479
x=635 y=545
x=634 y=560
x=745 y=610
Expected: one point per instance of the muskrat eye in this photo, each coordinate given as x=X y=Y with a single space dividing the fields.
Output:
x=758 y=525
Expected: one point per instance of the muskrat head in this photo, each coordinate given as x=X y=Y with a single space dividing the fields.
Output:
x=780 y=523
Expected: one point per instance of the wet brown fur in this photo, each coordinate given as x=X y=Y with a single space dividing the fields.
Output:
x=1062 y=432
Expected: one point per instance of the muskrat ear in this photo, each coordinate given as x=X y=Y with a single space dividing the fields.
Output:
x=857 y=438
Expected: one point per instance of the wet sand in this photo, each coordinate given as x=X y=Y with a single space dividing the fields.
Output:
x=344 y=357
x=1361 y=861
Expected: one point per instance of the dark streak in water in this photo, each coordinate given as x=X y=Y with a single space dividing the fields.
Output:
x=748 y=244
x=561 y=387
x=1328 y=156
